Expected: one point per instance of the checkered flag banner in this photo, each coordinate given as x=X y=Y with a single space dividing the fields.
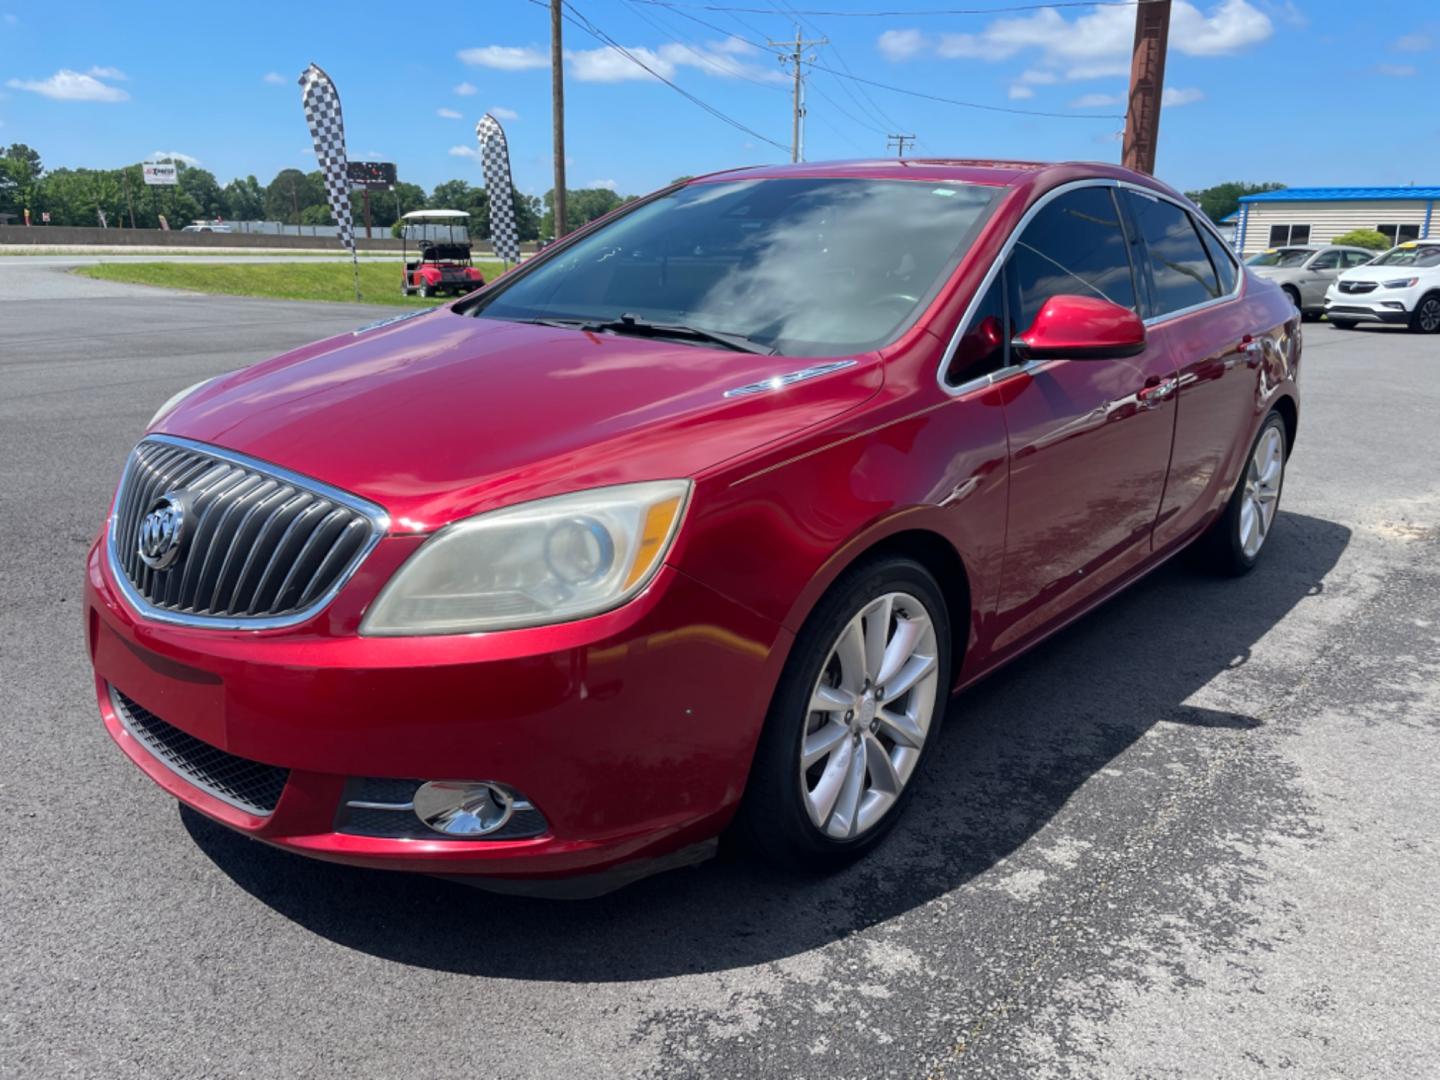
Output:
x=327 y=128
x=495 y=155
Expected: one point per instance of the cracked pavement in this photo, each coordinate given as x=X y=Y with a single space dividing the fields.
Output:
x=1191 y=836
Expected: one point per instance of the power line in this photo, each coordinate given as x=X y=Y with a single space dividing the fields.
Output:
x=902 y=12
x=897 y=143
x=599 y=35
x=705 y=61
x=970 y=104
x=798 y=59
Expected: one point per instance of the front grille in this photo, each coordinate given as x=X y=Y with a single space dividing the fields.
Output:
x=259 y=545
x=1342 y=309
x=1357 y=286
x=249 y=785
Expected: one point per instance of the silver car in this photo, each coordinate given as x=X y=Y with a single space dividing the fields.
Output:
x=1305 y=271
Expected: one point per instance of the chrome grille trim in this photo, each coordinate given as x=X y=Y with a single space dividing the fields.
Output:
x=270 y=522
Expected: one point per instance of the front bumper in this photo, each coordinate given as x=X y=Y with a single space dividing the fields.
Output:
x=1380 y=305
x=631 y=732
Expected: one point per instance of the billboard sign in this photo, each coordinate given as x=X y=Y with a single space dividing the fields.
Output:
x=159 y=172
x=374 y=175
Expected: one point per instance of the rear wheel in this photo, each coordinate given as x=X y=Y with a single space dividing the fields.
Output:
x=1233 y=544
x=1426 y=317
x=852 y=720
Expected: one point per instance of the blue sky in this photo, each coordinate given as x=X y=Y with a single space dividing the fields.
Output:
x=1304 y=92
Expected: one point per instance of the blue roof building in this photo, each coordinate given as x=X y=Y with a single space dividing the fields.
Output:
x=1316 y=215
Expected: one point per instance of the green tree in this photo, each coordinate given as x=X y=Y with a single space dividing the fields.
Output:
x=582 y=206
x=20 y=179
x=288 y=195
x=244 y=200
x=1373 y=239
x=1222 y=200
x=201 y=186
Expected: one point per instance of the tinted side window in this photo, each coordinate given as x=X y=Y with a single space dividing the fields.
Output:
x=1180 y=270
x=1356 y=258
x=983 y=347
x=1328 y=261
x=1223 y=261
x=1075 y=244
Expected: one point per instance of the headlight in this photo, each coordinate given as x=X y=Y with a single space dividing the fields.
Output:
x=548 y=561
x=176 y=399
x=1402 y=283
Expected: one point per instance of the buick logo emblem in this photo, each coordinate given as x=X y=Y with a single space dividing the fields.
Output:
x=162 y=532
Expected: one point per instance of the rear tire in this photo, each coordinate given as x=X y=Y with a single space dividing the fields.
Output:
x=1234 y=543
x=827 y=784
x=1426 y=317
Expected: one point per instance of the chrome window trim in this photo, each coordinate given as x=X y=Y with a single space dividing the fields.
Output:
x=377 y=516
x=993 y=377
x=122 y=714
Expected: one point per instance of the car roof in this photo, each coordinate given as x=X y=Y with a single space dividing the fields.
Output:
x=995 y=172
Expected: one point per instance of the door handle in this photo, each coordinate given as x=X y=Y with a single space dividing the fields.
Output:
x=1252 y=349
x=1153 y=394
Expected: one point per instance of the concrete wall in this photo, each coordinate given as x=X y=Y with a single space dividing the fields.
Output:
x=1330 y=219
x=67 y=234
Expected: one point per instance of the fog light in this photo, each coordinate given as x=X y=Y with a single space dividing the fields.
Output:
x=459 y=808
x=1393 y=305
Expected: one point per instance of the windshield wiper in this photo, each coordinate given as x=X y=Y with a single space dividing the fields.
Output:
x=633 y=324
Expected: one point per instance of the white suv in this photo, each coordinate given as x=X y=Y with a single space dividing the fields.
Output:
x=1402 y=287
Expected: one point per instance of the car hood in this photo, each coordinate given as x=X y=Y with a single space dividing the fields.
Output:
x=1278 y=273
x=1384 y=273
x=441 y=416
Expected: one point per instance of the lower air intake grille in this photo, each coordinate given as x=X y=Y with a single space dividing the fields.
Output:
x=246 y=784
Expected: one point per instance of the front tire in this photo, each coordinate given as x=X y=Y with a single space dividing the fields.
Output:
x=857 y=709
x=1343 y=324
x=1294 y=295
x=1233 y=544
x=1426 y=317
x=426 y=290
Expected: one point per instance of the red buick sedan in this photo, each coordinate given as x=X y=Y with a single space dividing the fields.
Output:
x=693 y=523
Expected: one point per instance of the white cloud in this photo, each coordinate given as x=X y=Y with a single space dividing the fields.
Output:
x=1412 y=43
x=1175 y=96
x=1036 y=77
x=500 y=112
x=1091 y=45
x=173 y=155
x=10 y=20
x=113 y=74
x=1395 y=71
x=465 y=151
x=611 y=184
x=1097 y=101
x=465 y=89
x=726 y=59
x=1020 y=92
x=274 y=78
x=448 y=114
x=900 y=44
x=67 y=85
x=505 y=57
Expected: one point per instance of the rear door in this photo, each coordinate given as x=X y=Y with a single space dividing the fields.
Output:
x=1193 y=312
x=1089 y=439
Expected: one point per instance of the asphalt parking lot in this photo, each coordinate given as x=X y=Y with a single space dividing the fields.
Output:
x=1192 y=836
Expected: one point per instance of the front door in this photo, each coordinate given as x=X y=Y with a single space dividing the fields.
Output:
x=1089 y=439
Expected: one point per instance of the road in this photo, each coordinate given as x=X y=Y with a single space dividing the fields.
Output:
x=1192 y=836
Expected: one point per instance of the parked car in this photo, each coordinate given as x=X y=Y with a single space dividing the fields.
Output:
x=693 y=522
x=1305 y=271
x=1401 y=287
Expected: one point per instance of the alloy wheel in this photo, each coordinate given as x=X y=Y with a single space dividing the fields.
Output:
x=870 y=712
x=1262 y=491
x=1428 y=317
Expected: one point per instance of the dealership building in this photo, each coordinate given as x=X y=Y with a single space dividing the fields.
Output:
x=1317 y=215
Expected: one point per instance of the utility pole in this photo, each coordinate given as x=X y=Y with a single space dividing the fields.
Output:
x=897 y=143
x=797 y=58
x=1147 y=85
x=557 y=99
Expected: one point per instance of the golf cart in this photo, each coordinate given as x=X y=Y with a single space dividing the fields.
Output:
x=442 y=261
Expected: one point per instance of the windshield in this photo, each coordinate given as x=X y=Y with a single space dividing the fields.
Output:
x=1280 y=257
x=809 y=267
x=1410 y=255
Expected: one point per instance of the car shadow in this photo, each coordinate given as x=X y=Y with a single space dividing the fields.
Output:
x=1013 y=751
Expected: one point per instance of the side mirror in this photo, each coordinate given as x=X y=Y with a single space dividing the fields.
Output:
x=1081 y=328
